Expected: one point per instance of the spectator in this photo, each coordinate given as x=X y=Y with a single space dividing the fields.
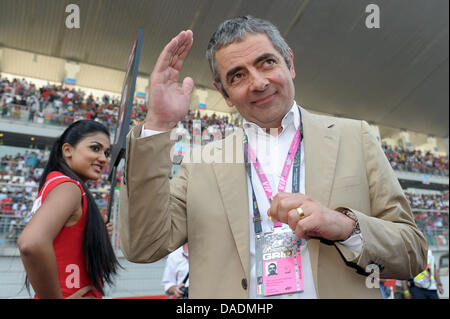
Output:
x=32 y=160
x=31 y=184
x=176 y=272
x=6 y=211
x=426 y=284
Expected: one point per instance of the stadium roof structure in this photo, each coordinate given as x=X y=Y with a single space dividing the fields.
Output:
x=395 y=75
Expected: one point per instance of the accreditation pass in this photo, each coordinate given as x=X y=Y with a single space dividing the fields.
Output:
x=281 y=263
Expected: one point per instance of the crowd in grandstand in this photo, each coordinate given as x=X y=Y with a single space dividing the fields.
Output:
x=431 y=215
x=416 y=161
x=56 y=104
x=428 y=201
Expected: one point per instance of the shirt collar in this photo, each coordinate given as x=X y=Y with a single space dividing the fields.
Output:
x=292 y=117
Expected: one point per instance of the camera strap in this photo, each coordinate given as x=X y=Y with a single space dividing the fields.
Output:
x=186 y=278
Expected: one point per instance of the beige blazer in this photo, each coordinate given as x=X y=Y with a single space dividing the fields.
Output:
x=207 y=205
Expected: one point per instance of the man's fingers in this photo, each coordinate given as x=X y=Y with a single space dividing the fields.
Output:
x=284 y=208
x=174 y=52
x=166 y=56
x=283 y=203
x=292 y=219
x=282 y=195
x=276 y=212
x=302 y=228
x=273 y=210
x=183 y=49
x=178 y=291
x=188 y=86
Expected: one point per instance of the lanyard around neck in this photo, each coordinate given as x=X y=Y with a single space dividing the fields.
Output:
x=292 y=158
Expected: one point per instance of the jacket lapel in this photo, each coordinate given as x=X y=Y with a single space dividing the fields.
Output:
x=321 y=143
x=232 y=183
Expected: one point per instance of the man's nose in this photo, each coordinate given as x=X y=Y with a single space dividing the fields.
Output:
x=258 y=81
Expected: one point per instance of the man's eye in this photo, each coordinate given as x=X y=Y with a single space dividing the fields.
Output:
x=269 y=62
x=236 y=77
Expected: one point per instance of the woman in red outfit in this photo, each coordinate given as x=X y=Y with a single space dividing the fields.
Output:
x=65 y=247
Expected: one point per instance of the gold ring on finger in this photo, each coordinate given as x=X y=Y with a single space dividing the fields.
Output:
x=301 y=213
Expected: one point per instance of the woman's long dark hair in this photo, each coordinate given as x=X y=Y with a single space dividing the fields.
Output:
x=101 y=262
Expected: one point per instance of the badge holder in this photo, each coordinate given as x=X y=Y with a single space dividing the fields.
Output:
x=278 y=252
x=279 y=266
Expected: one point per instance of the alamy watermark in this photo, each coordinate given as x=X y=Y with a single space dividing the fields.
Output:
x=373 y=19
x=373 y=279
x=73 y=277
x=73 y=19
x=214 y=147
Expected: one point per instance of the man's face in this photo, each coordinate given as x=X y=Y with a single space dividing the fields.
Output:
x=272 y=269
x=257 y=80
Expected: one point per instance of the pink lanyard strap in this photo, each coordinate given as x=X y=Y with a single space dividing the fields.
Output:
x=295 y=144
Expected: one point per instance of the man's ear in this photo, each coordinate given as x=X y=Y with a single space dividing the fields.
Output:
x=225 y=96
x=291 y=59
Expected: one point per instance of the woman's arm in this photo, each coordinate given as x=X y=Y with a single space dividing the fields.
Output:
x=36 y=241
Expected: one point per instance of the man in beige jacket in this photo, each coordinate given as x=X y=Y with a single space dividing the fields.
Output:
x=356 y=221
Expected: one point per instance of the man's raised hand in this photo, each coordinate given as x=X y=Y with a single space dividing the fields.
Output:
x=168 y=102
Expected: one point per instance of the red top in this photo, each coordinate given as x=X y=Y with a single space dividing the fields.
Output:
x=68 y=243
x=6 y=206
